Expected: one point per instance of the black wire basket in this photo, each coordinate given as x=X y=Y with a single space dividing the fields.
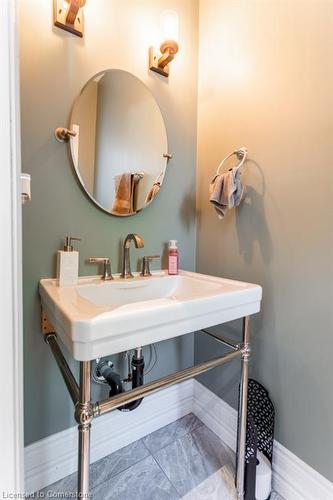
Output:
x=259 y=433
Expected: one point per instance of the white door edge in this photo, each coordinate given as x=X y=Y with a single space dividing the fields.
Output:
x=11 y=363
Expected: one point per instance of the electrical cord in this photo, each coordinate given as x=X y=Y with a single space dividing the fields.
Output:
x=153 y=350
x=148 y=364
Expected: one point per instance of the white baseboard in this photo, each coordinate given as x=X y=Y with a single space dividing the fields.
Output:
x=55 y=457
x=215 y=413
x=296 y=480
x=293 y=479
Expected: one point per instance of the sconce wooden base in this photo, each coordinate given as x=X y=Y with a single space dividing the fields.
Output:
x=69 y=19
x=154 y=57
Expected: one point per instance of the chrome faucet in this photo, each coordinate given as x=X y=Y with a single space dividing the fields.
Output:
x=138 y=242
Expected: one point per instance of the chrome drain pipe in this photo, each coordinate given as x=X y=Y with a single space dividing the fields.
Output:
x=145 y=390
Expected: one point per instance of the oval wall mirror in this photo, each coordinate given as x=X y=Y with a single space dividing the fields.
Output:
x=120 y=145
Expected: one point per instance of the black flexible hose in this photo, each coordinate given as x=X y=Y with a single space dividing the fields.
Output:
x=113 y=379
x=116 y=386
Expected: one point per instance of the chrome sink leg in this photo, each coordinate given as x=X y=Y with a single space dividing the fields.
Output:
x=84 y=416
x=242 y=410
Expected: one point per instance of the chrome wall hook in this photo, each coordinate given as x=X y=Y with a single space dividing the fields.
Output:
x=63 y=134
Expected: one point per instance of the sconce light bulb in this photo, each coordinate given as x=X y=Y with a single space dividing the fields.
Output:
x=170 y=26
x=169 y=34
x=169 y=45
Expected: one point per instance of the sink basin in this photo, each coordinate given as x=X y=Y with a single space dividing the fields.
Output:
x=97 y=318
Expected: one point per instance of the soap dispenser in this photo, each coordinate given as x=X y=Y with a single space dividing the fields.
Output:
x=68 y=264
x=173 y=258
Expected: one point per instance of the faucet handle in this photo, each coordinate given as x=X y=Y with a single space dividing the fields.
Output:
x=146 y=264
x=107 y=274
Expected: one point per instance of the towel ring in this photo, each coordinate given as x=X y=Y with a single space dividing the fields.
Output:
x=241 y=154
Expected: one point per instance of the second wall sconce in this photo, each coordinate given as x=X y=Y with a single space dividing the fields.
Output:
x=68 y=15
x=159 y=59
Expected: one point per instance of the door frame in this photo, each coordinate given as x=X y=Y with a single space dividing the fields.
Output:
x=11 y=351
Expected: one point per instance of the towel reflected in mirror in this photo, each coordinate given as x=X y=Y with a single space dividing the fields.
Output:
x=152 y=192
x=123 y=203
x=126 y=193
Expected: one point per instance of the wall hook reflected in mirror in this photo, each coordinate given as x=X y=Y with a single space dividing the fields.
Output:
x=63 y=134
x=168 y=156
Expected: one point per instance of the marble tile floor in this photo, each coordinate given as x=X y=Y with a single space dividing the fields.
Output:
x=184 y=460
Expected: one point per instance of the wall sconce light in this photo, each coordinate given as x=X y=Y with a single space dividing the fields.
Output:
x=159 y=59
x=68 y=15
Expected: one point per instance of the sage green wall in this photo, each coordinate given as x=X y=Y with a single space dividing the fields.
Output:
x=271 y=91
x=54 y=67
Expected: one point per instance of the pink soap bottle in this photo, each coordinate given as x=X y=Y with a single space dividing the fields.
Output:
x=173 y=258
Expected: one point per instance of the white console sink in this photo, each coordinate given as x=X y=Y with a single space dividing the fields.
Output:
x=97 y=318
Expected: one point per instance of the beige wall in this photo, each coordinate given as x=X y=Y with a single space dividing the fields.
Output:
x=266 y=82
x=54 y=67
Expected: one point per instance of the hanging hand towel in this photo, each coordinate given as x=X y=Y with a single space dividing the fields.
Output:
x=124 y=193
x=226 y=191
